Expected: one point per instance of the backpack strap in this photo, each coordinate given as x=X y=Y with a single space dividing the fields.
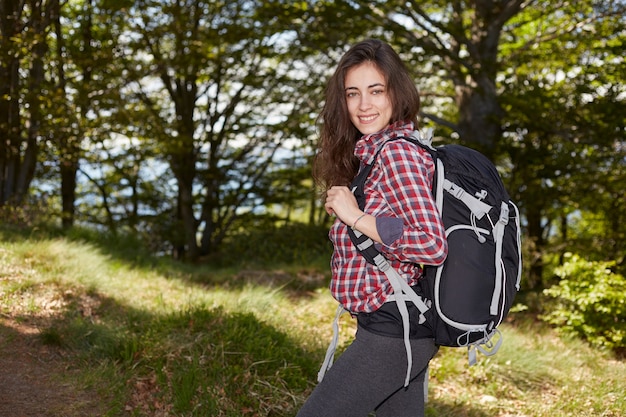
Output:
x=330 y=352
x=402 y=292
x=478 y=207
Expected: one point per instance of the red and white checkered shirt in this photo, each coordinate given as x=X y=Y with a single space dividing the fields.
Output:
x=398 y=194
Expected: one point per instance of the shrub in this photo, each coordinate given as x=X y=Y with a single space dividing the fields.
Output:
x=589 y=303
x=272 y=246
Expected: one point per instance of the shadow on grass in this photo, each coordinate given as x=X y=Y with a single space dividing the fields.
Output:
x=297 y=278
x=195 y=362
x=439 y=409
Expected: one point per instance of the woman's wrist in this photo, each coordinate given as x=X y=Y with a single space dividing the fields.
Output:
x=356 y=221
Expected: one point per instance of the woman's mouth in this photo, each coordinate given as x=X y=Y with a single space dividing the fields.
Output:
x=367 y=119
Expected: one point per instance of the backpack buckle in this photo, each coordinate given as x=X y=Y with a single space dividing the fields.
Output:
x=481 y=195
x=504 y=213
x=456 y=191
x=381 y=263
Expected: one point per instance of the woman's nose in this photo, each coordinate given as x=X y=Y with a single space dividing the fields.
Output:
x=365 y=102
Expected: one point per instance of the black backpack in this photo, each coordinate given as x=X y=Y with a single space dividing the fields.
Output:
x=466 y=298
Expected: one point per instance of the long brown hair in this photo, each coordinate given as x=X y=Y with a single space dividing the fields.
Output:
x=335 y=163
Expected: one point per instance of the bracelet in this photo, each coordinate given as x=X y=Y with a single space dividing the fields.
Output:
x=357 y=220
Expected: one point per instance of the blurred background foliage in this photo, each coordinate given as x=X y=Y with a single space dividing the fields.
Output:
x=189 y=126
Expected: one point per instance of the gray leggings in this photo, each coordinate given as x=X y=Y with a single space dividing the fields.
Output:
x=369 y=376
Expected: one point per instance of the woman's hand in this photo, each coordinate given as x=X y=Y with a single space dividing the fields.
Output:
x=341 y=202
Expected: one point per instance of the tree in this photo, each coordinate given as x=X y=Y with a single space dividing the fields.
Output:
x=23 y=45
x=217 y=80
x=225 y=95
x=457 y=42
x=478 y=56
x=564 y=133
x=89 y=81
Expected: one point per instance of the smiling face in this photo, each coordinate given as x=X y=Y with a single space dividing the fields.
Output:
x=367 y=98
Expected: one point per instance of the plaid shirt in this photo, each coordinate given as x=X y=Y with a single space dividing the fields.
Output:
x=398 y=191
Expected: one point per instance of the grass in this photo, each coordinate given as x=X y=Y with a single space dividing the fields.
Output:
x=158 y=338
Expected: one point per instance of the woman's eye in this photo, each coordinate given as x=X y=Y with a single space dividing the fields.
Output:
x=377 y=92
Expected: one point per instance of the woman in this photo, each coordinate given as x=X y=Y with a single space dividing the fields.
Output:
x=370 y=101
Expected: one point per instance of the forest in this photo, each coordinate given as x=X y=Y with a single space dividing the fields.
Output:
x=188 y=128
x=164 y=249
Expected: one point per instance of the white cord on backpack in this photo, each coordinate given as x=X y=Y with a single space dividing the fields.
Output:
x=330 y=352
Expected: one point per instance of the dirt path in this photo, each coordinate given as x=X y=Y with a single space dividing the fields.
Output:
x=35 y=380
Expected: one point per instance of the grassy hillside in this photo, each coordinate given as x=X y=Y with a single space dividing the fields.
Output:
x=157 y=338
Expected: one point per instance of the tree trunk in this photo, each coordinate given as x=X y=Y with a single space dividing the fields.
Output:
x=68 y=192
x=189 y=223
x=10 y=123
x=480 y=113
x=69 y=143
x=39 y=22
x=535 y=236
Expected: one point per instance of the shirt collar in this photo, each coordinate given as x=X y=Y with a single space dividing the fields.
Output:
x=367 y=146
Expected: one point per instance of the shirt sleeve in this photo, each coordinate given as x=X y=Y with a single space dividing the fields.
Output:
x=389 y=228
x=401 y=184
